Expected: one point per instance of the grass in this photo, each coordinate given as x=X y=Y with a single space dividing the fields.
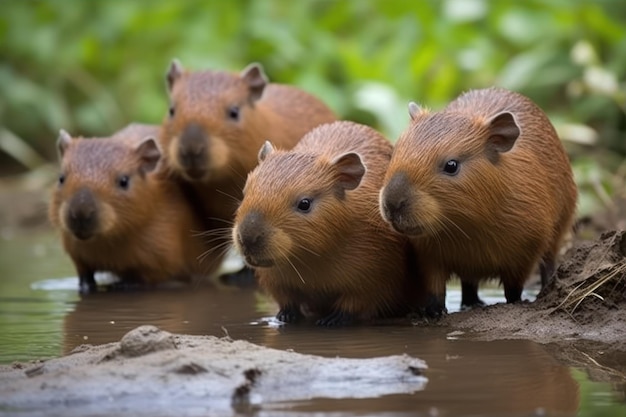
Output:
x=600 y=286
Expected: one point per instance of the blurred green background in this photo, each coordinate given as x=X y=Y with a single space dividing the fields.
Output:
x=91 y=67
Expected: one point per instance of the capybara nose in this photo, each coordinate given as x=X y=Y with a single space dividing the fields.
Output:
x=251 y=234
x=394 y=200
x=192 y=152
x=82 y=214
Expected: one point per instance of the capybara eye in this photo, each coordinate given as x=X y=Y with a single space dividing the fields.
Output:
x=61 y=179
x=304 y=205
x=172 y=111
x=123 y=182
x=233 y=112
x=451 y=167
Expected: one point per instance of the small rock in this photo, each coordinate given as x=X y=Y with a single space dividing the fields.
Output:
x=144 y=340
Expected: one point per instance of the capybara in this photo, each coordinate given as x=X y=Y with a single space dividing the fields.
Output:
x=219 y=120
x=117 y=212
x=310 y=227
x=484 y=189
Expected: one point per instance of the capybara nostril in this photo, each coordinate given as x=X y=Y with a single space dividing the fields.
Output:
x=193 y=148
x=217 y=123
x=320 y=247
x=395 y=197
x=251 y=233
x=117 y=213
x=82 y=214
x=495 y=188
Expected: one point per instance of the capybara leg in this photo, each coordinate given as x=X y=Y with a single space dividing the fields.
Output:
x=433 y=304
x=336 y=318
x=86 y=281
x=513 y=287
x=546 y=269
x=469 y=295
x=289 y=313
x=513 y=294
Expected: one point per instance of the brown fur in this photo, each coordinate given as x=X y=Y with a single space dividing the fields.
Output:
x=228 y=149
x=339 y=260
x=505 y=210
x=143 y=233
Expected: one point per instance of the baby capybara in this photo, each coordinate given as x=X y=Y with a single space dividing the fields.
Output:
x=483 y=189
x=309 y=225
x=118 y=213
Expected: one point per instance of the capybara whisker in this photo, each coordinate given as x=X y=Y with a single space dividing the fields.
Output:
x=306 y=225
x=216 y=123
x=120 y=212
x=490 y=165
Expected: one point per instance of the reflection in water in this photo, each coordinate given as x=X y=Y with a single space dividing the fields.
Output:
x=106 y=317
x=466 y=377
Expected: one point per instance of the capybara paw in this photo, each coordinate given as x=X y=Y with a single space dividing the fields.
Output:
x=289 y=314
x=513 y=294
x=435 y=309
x=87 y=286
x=470 y=305
x=469 y=295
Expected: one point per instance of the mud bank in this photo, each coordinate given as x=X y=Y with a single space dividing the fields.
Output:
x=150 y=371
x=581 y=317
x=586 y=300
x=581 y=314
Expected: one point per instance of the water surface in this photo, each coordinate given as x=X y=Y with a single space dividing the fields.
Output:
x=41 y=315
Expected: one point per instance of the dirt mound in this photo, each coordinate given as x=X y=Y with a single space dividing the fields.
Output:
x=591 y=280
x=581 y=313
x=585 y=300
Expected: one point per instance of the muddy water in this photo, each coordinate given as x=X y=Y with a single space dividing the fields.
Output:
x=41 y=316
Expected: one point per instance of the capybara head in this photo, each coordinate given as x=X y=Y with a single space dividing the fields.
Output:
x=212 y=121
x=104 y=188
x=447 y=172
x=294 y=206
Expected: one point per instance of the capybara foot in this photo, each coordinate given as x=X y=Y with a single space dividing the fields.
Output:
x=435 y=308
x=289 y=314
x=87 y=285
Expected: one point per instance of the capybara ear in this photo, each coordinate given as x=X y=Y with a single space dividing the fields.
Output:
x=63 y=141
x=503 y=132
x=256 y=79
x=416 y=110
x=149 y=154
x=265 y=150
x=173 y=73
x=350 y=170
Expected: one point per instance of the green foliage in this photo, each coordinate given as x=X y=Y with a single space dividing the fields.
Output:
x=93 y=66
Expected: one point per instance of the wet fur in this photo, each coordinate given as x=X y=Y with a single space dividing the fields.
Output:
x=340 y=258
x=283 y=114
x=503 y=212
x=149 y=237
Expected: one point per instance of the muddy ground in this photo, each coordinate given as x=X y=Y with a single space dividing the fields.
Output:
x=149 y=371
x=581 y=316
